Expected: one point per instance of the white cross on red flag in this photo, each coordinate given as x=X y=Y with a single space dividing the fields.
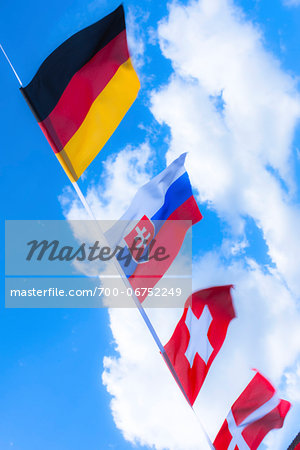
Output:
x=257 y=411
x=199 y=335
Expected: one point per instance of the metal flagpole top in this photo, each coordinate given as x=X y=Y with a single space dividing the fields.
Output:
x=11 y=66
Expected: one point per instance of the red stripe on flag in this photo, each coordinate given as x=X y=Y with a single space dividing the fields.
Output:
x=189 y=210
x=83 y=89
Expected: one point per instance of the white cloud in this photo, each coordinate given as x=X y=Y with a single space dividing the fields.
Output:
x=293 y=382
x=240 y=152
x=135 y=18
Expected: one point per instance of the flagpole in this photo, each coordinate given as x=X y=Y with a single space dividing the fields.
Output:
x=11 y=66
x=128 y=286
x=142 y=312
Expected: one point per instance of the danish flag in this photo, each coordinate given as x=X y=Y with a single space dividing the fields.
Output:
x=198 y=337
x=256 y=412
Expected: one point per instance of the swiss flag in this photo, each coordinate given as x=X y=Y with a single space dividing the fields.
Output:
x=198 y=336
x=256 y=412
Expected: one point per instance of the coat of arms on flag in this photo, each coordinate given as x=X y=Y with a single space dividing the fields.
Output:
x=159 y=217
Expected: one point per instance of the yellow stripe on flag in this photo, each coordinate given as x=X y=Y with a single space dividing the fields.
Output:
x=104 y=116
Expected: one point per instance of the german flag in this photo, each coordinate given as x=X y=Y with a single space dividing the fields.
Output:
x=82 y=91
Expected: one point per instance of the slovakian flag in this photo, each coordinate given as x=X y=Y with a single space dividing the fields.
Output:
x=158 y=218
x=199 y=336
x=82 y=91
x=257 y=411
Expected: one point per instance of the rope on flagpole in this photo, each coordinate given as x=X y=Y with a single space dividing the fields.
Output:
x=11 y=66
x=142 y=311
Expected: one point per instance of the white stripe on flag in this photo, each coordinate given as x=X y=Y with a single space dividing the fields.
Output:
x=262 y=411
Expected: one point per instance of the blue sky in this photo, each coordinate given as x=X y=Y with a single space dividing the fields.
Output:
x=220 y=80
